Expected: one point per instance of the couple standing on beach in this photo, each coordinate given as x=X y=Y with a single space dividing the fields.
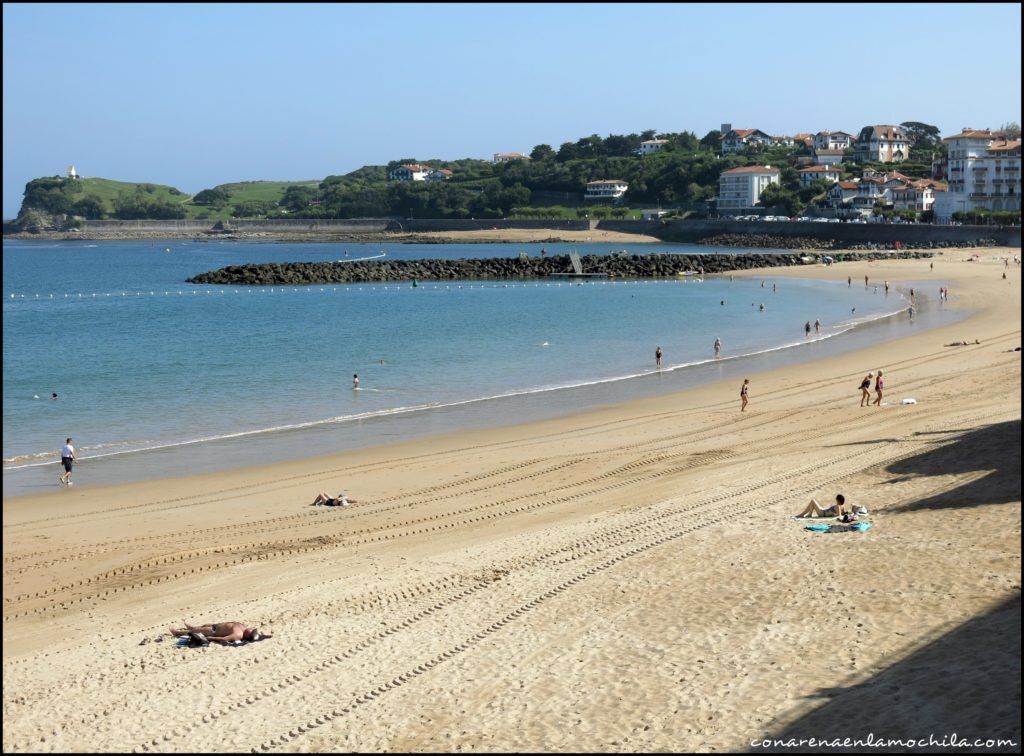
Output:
x=865 y=393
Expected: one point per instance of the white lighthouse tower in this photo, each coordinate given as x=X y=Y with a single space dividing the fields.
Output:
x=72 y=173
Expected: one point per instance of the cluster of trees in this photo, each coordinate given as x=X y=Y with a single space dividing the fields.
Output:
x=989 y=217
x=141 y=204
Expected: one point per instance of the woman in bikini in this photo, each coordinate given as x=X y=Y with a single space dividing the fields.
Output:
x=743 y=394
x=879 y=385
x=814 y=509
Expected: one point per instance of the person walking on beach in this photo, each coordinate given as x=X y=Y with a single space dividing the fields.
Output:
x=910 y=311
x=886 y=288
x=807 y=329
x=657 y=356
x=743 y=395
x=865 y=282
x=931 y=266
x=865 y=390
x=68 y=459
x=849 y=281
x=718 y=346
x=879 y=386
x=355 y=381
x=817 y=327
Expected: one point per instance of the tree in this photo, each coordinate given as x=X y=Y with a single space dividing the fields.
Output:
x=922 y=135
x=90 y=207
x=777 y=196
x=542 y=152
x=568 y=151
x=1011 y=129
x=216 y=197
x=712 y=140
x=252 y=208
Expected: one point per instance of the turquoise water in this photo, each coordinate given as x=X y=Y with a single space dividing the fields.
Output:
x=142 y=361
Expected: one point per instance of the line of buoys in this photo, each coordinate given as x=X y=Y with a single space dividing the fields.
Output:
x=351 y=287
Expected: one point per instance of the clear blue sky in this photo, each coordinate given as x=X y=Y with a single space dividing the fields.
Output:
x=198 y=95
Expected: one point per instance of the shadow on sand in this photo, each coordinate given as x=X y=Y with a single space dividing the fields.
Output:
x=967 y=682
x=993 y=448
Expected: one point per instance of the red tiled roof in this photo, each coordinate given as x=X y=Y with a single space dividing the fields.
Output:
x=606 y=181
x=417 y=167
x=820 y=168
x=847 y=184
x=751 y=169
x=510 y=154
x=1005 y=146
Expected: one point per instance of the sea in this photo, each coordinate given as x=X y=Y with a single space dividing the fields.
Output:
x=156 y=378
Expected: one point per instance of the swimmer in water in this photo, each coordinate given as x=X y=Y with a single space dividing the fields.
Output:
x=355 y=380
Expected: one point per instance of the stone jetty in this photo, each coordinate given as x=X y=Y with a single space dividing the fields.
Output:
x=614 y=265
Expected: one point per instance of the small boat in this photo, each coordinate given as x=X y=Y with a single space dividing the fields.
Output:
x=686 y=273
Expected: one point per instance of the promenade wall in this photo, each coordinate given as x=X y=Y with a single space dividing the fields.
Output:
x=696 y=230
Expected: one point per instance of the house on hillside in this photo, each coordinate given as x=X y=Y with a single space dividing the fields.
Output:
x=504 y=157
x=737 y=140
x=842 y=193
x=410 y=173
x=917 y=195
x=983 y=170
x=441 y=175
x=651 y=145
x=829 y=157
x=882 y=144
x=809 y=175
x=740 y=188
x=606 y=189
x=833 y=140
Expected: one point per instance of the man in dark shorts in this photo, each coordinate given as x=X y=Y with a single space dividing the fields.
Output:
x=68 y=459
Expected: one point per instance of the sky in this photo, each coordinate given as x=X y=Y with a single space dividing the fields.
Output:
x=195 y=95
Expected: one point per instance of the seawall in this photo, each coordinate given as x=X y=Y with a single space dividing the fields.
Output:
x=836 y=234
x=511 y=268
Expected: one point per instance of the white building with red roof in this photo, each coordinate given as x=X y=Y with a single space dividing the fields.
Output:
x=809 y=175
x=833 y=140
x=440 y=175
x=606 y=189
x=740 y=188
x=983 y=172
x=651 y=145
x=882 y=144
x=410 y=173
x=737 y=140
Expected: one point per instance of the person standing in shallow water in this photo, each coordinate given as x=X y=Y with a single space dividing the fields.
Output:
x=657 y=356
x=807 y=329
x=718 y=346
x=355 y=381
x=743 y=395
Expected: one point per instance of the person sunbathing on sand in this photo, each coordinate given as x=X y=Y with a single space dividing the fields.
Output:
x=221 y=632
x=322 y=499
x=814 y=509
x=962 y=343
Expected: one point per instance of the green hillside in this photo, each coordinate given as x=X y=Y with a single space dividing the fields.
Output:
x=101 y=198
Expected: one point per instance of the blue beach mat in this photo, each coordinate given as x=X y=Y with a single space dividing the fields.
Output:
x=841 y=528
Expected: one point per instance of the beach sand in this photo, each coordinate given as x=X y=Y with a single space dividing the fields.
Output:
x=626 y=579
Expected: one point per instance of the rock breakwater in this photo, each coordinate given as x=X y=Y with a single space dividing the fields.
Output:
x=509 y=268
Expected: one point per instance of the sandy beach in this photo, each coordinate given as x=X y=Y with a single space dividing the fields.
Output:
x=626 y=579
